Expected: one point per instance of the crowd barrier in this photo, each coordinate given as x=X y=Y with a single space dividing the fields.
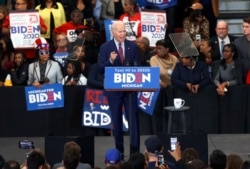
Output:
x=209 y=113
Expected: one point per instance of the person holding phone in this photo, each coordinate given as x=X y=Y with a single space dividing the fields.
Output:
x=154 y=153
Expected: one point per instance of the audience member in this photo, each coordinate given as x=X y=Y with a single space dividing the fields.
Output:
x=242 y=44
x=138 y=161
x=234 y=161
x=211 y=12
x=11 y=164
x=196 y=23
x=3 y=74
x=71 y=26
x=196 y=164
x=144 y=48
x=74 y=75
x=3 y=14
x=245 y=165
x=190 y=74
x=22 y=5
x=228 y=71
x=53 y=14
x=217 y=159
x=45 y=70
x=79 y=52
x=36 y=160
x=205 y=48
x=113 y=158
x=176 y=154
x=7 y=53
x=154 y=148
x=95 y=78
x=71 y=148
x=61 y=46
x=132 y=20
x=19 y=74
x=222 y=38
x=112 y=9
x=112 y=54
x=84 y=6
x=2 y=161
x=165 y=61
x=189 y=154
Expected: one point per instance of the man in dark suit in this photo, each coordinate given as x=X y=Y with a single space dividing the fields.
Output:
x=221 y=39
x=121 y=52
x=242 y=45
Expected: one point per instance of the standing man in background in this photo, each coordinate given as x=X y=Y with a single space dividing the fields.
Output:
x=121 y=52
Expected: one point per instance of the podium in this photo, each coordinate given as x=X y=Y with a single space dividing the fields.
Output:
x=131 y=79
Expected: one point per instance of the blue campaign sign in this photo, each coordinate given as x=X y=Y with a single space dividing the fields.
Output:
x=47 y=97
x=107 y=27
x=96 y=111
x=132 y=78
x=147 y=101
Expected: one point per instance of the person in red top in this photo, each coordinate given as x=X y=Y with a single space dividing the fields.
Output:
x=132 y=20
x=70 y=27
x=22 y=5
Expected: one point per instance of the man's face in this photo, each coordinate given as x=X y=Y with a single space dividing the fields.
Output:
x=119 y=32
x=221 y=30
x=246 y=28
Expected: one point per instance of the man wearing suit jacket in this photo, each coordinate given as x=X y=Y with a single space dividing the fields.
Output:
x=243 y=45
x=110 y=55
x=222 y=35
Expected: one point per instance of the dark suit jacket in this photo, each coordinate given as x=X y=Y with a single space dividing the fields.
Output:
x=216 y=46
x=132 y=58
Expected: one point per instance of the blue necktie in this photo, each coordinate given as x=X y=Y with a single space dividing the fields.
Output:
x=222 y=46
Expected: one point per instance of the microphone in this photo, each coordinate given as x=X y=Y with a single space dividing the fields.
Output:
x=127 y=62
x=135 y=62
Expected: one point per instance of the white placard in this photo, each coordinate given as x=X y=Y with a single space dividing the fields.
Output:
x=153 y=25
x=24 y=28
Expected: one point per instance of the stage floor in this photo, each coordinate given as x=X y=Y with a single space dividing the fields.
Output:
x=229 y=143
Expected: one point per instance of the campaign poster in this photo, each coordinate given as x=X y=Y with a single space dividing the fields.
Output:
x=147 y=101
x=131 y=27
x=108 y=31
x=96 y=111
x=47 y=97
x=153 y=25
x=24 y=28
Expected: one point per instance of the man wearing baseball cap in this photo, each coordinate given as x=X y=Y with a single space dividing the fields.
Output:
x=113 y=157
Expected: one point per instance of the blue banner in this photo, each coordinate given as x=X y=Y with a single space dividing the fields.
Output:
x=147 y=100
x=132 y=78
x=47 y=97
x=107 y=27
x=96 y=111
x=160 y=4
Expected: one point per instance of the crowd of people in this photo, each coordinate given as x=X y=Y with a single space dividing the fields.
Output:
x=72 y=51
x=154 y=157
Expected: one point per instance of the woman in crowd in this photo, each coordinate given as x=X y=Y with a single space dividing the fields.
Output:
x=234 y=161
x=3 y=14
x=190 y=74
x=84 y=6
x=132 y=20
x=19 y=74
x=165 y=61
x=112 y=9
x=44 y=71
x=229 y=70
x=53 y=14
x=79 y=52
x=74 y=75
x=196 y=23
x=6 y=53
x=61 y=46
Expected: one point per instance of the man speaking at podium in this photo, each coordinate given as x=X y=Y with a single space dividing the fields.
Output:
x=121 y=52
